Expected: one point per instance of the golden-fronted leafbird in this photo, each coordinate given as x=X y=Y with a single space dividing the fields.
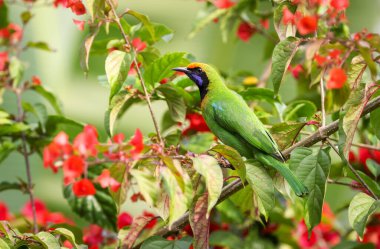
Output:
x=235 y=124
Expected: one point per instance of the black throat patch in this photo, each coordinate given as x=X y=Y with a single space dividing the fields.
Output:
x=200 y=79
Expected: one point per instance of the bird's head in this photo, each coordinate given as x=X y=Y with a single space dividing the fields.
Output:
x=197 y=72
x=202 y=74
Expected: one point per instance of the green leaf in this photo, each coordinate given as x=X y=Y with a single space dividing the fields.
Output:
x=47 y=240
x=209 y=168
x=86 y=46
x=175 y=101
x=16 y=70
x=99 y=209
x=40 y=45
x=312 y=169
x=225 y=239
x=178 y=202
x=373 y=167
x=120 y=103
x=198 y=143
x=375 y=122
x=54 y=122
x=282 y=55
x=38 y=110
x=285 y=134
x=50 y=97
x=161 y=31
x=200 y=223
x=254 y=94
x=95 y=8
x=349 y=244
x=233 y=157
x=76 y=231
x=145 y=20
x=373 y=185
x=361 y=207
x=262 y=186
x=6 y=148
x=355 y=70
x=351 y=115
x=69 y=235
x=4 y=16
x=148 y=185
x=204 y=18
x=243 y=199
x=117 y=66
x=9 y=185
x=13 y=129
x=156 y=242
x=26 y=16
x=3 y=244
x=366 y=54
x=119 y=172
x=299 y=109
x=162 y=67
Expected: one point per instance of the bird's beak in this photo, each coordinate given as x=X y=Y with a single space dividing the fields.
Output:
x=182 y=69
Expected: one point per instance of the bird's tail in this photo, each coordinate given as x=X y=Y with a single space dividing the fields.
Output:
x=295 y=184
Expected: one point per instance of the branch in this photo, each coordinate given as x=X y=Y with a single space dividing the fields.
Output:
x=147 y=97
x=25 y=153
x=237 y=185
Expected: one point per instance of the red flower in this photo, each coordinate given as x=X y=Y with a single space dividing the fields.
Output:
x=223 y=4
x=41 y=211
x=79 y=24
x=3 y=60
x=321 y=60
x=137 y=142
x=85 y=142
x=93 y=235
x=105 y=180
x=164 y=81
x=265 y=23
x=138 y=44
x=56 y=218
x=4 y=33
x=68 y=244
x=337 y=78
x=4 y=213
x=36 y=81
x=296 y=70
x=137 y=196
x=372 y=235
x=61 y=139
x=197 y=123
x=153 y=221
x=73 y=168
x=118 y=138
x=83 y=188
x=339 y=4
x=287 y=16
x=51 y=154
x=124 y=220
x=307 y=25
x=78 y=8
x=351 y=157
x=15 y=33
x=245 y=31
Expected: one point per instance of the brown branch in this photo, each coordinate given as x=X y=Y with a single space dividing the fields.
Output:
x=237 y=185
x=147 y=97
x=25 y=153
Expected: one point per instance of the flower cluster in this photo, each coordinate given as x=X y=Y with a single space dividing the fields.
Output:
x=76 y=6
x=364 y=154
x=322 y=236
x=196 y=124
x=74 y=158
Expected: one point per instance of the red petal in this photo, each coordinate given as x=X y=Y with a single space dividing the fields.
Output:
x=223 y=4
x=3 y=60
x=137 y=142
x=83 y=188
x=337 y=78
x=79 y=24
x=245 y=31
x=307 y=25
x=124 y=219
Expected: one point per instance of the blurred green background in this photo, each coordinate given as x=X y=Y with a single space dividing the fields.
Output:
x=86 y=101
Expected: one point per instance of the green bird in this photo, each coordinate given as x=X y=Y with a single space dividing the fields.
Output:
x=235 y=124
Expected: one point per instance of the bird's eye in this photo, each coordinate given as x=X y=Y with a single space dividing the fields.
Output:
x=199 y=70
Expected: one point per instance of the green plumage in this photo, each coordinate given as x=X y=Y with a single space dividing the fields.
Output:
x=235 y=124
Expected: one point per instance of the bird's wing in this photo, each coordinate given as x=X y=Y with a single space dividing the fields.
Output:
x=235 y=116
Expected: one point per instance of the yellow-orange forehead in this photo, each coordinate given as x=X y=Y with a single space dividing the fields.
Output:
x=194 y=65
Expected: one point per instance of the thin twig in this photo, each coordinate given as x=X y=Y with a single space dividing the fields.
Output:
x=20 y=118
x=322 y=88
x=237 y=185
x=353 y=170
x=117 y=20
x=351 y=185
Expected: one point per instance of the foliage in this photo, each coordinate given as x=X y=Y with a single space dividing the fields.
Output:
x=181 y=171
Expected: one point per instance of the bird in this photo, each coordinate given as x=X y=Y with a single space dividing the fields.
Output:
x=234 y=123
